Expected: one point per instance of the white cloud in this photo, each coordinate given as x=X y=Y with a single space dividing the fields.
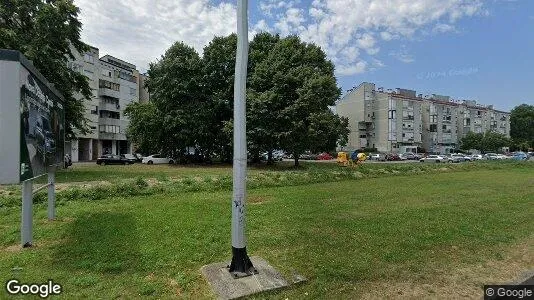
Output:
x=350 y=31
x=402 y=54
x=338 y=24
x=442 y=28
x=140 y=31
x=357 y=68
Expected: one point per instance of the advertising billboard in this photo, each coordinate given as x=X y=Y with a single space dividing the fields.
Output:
x=32 y=121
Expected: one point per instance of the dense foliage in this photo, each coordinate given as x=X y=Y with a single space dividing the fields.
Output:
x=291 y=85
x=46 y=32
x=522 y=126
x=485 y=142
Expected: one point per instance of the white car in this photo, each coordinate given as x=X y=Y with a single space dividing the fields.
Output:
x=477 y=157
x=157 y=159
x=434 y=159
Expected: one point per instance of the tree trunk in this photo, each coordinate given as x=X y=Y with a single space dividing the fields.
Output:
x=296 y=158
x=270 y=160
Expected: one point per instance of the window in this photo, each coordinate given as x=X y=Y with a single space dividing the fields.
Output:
x=106 y=73
x=89 y=58
x=109 y=128
x=94 y=111
x=433 y=128
x=363 y=136
x=447 y=118
x=407 y=115
x=108 y=85
x=392 y=114
x=132 y=91
x=433 y=119
x=407 y=105
x=467 y=122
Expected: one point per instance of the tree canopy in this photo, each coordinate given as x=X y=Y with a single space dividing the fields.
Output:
x=291 y=85
x=522 y=125
x=46 y=32
x=484 y=142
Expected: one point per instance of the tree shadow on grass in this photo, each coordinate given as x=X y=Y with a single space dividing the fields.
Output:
x=103 y=242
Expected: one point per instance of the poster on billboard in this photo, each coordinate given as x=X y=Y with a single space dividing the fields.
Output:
x=32 y=121
x=42 y=127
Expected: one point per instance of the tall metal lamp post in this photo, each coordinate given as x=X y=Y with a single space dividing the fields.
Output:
x=241 y=265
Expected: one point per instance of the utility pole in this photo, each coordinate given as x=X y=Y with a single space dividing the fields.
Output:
x=241 y=265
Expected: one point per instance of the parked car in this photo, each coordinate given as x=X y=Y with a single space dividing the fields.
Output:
x=491 y=156
x=520 y=156
x=433 y=159
x=408 y=156
x=278 y=155
x=392 y=157
x=455 y=158
x=378 y=157
x=112 y=159
x=324 y=156
x=308 y=156
x=477 y=157
x=157 y=159
x=130 y=157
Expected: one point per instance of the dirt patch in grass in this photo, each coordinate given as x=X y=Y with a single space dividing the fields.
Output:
x=462 y=282
x=175 y=286
x=36 y=245
x=255 y=200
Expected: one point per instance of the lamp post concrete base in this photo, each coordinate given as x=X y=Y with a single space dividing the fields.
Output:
x=226 y=286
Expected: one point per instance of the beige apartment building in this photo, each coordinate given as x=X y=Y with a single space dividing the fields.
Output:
x=400 y=120
x=115 y=83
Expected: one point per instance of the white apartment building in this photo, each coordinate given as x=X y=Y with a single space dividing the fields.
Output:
x=400 y=121
x=115 y=84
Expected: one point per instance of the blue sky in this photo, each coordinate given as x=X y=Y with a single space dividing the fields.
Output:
x=468 y=49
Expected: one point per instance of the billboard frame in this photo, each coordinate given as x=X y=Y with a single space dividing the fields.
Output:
x=28 y=99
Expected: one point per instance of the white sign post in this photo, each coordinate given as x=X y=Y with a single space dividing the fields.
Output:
x=241 y=265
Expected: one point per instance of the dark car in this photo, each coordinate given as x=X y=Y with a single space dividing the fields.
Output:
x=111 y=159
x=130 y=157
x=393 y=157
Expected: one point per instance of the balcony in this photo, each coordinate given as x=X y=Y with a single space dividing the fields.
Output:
x=109 y=121
x=112 y=136
x=108 y=93
x=109 y=106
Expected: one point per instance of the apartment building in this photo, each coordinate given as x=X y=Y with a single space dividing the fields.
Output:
x=402 y=121
x=115 y=83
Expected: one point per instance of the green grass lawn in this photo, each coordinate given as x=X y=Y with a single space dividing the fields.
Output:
x=343 y=236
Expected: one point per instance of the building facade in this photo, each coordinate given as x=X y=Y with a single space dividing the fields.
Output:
x=400 y=120
x=115 y=83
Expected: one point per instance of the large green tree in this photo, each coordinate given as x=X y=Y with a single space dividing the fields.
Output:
x=218 y=67
x=46 y=32
x=261 y=134
x=294 y=87
x=291 y=85
x=522 y=125
x=174 y=84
